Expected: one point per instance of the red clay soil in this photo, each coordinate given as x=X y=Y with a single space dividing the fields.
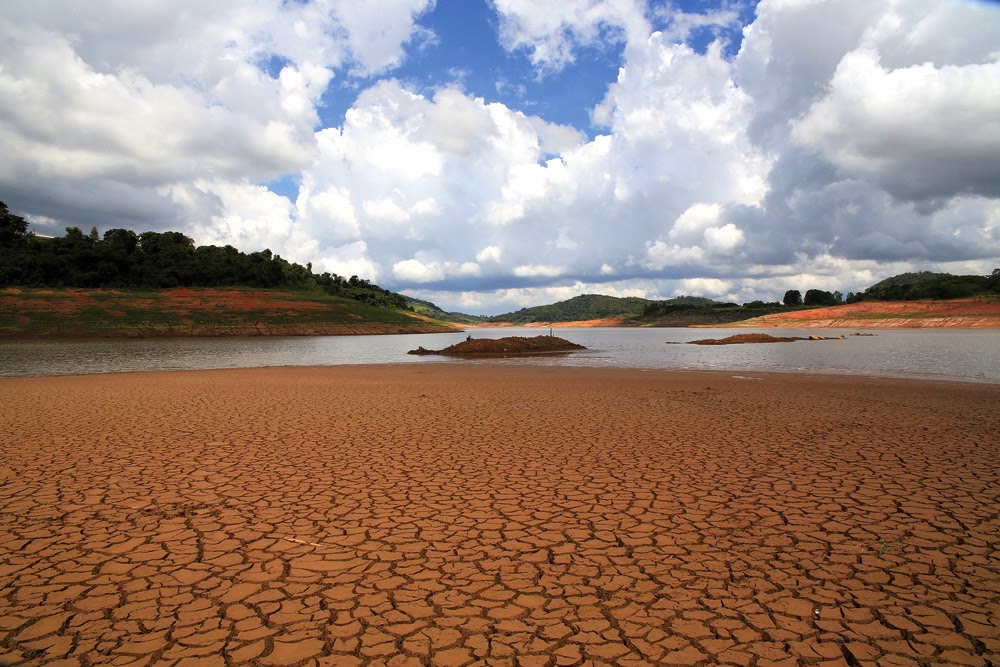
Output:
x=955 y=313
x=742 y=339
x=506 y=347
x=446 y=514
x=249 y=313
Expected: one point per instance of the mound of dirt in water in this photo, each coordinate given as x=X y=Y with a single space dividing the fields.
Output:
x=504 y=347
x=741 y=339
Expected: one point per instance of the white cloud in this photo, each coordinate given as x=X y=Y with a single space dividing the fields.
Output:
x=350 y=259
x=920 y=131
x=725 y=239
x=420 y=271
x=553 y=31
x=538 y=271
x=847 y=139
x=711 y=287
x=414 y=270
x=661 y=255
x=489 y=254
x=109 y=121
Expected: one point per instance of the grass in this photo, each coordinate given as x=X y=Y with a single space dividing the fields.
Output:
x=25 y=312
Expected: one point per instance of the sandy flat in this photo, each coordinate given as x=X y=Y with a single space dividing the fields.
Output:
x=452 y=514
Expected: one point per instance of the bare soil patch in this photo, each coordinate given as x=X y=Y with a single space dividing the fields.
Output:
x=497 y=514
x=504 y=347
x=743 y=339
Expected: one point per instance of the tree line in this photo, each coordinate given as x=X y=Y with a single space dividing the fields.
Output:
x=905 y=287
x=814 y=297
x=122 y=258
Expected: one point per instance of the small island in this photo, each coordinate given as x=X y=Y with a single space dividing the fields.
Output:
x=743 y=339
x=504 y=347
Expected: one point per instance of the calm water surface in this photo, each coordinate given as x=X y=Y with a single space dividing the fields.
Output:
x=949 y=354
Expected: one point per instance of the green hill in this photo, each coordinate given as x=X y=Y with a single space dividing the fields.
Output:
x=429 y=309
x=233 y=311
x=930 y=285
x=162 y=284
x=579 y=308
x=123 y=259
x=677 y=313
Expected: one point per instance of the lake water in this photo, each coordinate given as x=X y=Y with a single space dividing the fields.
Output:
x=948 y=354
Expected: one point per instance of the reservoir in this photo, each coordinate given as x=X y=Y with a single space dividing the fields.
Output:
x=943 y=354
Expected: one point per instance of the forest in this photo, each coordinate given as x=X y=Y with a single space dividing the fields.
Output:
x=153 y=260
x=930 y=285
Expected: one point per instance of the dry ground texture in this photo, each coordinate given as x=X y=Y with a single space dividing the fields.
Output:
x=481 y=514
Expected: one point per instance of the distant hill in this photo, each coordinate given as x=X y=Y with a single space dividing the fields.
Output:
x=579 y=308
x=429 y=309
x=678 y=313
x=929 y=285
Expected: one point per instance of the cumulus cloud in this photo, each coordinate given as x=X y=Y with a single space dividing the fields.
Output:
x=845 y=141
x=430 y=182
x=552 y=32
x=920 y=132
x=106 y=121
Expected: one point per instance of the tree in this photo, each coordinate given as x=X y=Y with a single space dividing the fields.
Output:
x=12 y=227
x=793 y=297
x=818 y=297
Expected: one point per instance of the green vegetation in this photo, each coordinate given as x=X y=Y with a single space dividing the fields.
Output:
x=428 y=309
x=634 y=311
x=159 y=260
x=673 y=314
x=929 y=285
x=185 y=311
x=585 y=307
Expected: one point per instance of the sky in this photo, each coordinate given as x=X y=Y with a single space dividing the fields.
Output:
x=489 y=155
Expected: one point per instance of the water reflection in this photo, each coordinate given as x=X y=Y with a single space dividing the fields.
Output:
x=944 y=354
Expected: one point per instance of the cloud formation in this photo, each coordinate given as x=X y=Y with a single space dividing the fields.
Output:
x=843 y=141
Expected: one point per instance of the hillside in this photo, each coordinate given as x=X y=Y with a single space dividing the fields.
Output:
x=582 y=308
x=686 y=314
x=123 y=259
x=929 y=285
x=117 y=313
x=598 y=310
x=428 y=309
x=983 y=312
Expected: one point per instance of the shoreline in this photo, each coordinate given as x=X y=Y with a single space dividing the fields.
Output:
x=488 y=363
x=454 y=513
x=259 y=330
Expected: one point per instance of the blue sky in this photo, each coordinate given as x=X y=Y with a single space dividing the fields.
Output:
x=493 y=155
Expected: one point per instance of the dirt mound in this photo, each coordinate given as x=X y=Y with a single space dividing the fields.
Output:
x=741 y=339
x=504 y=347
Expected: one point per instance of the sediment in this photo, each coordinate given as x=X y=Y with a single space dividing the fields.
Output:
x=453 y=514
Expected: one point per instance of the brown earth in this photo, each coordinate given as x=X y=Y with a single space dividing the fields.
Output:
x=742 y=339
x=956 y=313
x=109 y=313
x=510 y=346
x=444 y=514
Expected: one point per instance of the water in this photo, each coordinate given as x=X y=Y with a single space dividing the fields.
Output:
x=948 y=354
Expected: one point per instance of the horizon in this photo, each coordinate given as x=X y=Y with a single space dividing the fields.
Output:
x=492 y=156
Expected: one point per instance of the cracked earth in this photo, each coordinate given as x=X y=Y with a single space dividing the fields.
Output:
x=453 y=514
